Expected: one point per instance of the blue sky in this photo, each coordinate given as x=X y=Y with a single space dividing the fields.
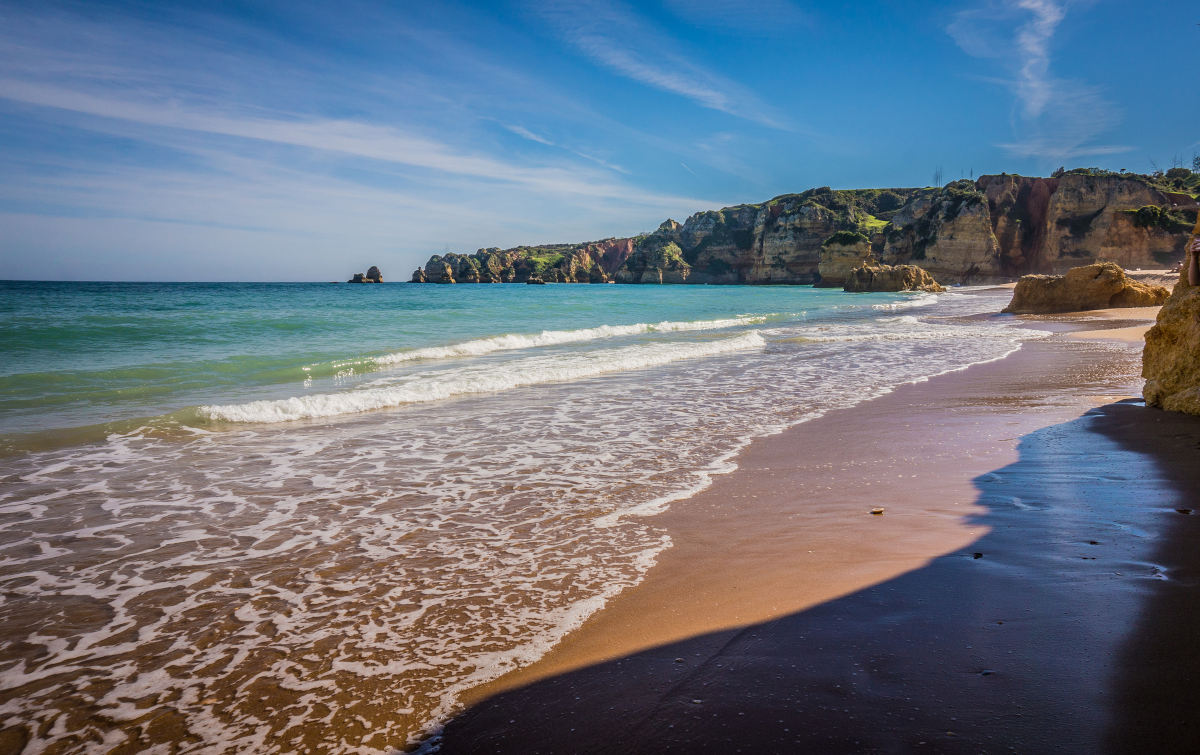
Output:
x=306 y=141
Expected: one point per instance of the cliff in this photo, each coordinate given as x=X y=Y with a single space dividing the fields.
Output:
x=996 y=228
x=1171 y=358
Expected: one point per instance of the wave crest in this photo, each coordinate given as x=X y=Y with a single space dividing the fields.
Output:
x=432 y=386
x=512 y=341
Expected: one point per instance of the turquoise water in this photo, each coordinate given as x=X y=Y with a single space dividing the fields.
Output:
x=308 y=517
x=85 y=354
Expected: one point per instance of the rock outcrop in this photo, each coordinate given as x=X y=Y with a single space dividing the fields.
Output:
x=1098 y=286
x=373 y=276
x=841 y=253
x=948 y=232
x=1171 y=358
x=866 y=278
x=993 y=229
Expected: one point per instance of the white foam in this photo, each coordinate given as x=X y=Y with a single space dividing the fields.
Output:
x=512 y=341
x=922 y=299
x=445 y=384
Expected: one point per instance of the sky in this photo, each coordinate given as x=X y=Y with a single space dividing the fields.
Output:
x=296 y=141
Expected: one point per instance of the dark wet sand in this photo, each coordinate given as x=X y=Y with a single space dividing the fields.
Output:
x=1031 y=586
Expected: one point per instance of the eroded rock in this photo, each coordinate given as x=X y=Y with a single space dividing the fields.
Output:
x=1099 y=286
x=867 y=277
x=1171 y=358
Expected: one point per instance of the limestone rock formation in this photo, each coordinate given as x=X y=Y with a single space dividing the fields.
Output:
x=1171 y=358
x=841 y=253
x=890 y=278
x=657 y=258
x=1099 y=286
x=592 y=262
x=993 y=229
x=947 y=232
x=373 y=276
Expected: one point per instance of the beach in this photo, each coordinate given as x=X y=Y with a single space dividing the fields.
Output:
x=1012 y=595
x=341 y=528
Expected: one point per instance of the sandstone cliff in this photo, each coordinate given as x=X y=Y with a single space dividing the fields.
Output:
x=948 y=232
x=841 y=253
x=1098 y=286
x=996 y=228
x=1171 y=358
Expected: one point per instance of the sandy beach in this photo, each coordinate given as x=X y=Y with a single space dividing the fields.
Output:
x=1011 y=595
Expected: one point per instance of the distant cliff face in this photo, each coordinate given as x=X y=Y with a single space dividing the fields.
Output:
x=994 y=229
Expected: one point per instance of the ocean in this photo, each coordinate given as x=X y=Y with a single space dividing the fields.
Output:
x=279 y=517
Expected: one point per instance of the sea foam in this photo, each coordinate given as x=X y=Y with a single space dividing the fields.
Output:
x=512 y=341
x=432 y=386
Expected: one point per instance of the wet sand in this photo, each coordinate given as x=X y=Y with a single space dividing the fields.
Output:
x=1028 y=508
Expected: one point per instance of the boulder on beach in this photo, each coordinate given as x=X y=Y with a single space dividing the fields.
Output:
x=868 y=277
x=1099 y=286
x=1171 y=358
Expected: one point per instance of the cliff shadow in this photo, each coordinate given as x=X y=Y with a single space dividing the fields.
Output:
x=1022 y=641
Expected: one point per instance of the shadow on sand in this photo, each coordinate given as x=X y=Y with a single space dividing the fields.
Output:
x=1070 y=626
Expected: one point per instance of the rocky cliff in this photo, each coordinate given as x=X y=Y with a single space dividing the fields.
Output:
x=996 y=228
x=1171 y=358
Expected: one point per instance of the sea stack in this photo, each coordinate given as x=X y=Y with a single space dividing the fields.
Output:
x=373 y=276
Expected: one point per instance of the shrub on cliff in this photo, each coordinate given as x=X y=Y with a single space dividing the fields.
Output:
x=1153 y=216
x=846 y=238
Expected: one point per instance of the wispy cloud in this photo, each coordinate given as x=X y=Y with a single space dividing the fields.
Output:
x=615 y=37
x=1055 y=119
x=161 y=138
x=1033 y=45
x=525 y=133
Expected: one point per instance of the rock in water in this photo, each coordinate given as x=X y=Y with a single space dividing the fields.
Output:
x=1099 y=286
x=867 y=277
x=373 y=276
x=1171 y=359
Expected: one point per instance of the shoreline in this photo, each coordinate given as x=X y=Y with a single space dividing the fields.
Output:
x=789 y=534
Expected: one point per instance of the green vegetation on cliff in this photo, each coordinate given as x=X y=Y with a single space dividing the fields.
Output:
x=1172 y=221
x=846 y=238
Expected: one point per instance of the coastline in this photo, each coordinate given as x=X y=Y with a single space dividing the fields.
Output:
x=785 y=549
